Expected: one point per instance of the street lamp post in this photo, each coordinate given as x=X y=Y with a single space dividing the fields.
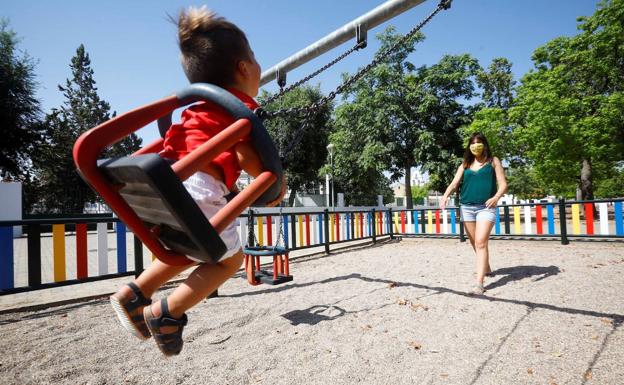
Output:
x=330 y=149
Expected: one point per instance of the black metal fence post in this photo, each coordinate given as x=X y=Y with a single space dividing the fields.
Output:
x=391 y=223
x=462 y=236
x=374 y=225
x=34 y=255
x=138 y=256
x=506 y=217
x=423 y=225
x=563 y=222
x=326 y=229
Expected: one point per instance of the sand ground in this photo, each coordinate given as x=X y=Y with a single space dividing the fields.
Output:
x=392 y=313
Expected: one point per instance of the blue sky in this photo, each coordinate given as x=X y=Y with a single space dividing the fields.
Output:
x=136 y=61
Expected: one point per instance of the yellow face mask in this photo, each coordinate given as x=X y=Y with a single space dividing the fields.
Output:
x=476 y=149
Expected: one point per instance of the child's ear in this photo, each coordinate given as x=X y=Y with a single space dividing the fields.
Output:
x=243 y=68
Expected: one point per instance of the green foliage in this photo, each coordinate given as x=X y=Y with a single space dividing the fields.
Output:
x=419 y=193
x=20 y=125
x=570 y=110
x=613 y=185
x=497 y=84
x=305 y=159
x=59 y=187
x=498 y=92
x=356 y=167
x=523 y=183
x=407 y=116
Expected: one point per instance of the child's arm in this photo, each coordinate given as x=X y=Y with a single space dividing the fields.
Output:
x=250 y=162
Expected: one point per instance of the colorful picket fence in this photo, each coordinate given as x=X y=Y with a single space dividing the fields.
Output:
x=82 y=253
x=68 y=253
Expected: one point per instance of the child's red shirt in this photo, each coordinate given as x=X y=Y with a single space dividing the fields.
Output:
x=199 y=123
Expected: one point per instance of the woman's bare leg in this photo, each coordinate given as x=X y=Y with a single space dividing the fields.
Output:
x=482 y=235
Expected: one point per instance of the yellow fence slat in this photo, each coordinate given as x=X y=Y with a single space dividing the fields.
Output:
x=576 y=219
x=58 y=236
x=517 y=227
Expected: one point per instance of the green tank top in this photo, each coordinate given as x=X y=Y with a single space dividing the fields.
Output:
x=478 y=186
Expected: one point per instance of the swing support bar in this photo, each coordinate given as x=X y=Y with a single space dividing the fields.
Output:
x=354 y=29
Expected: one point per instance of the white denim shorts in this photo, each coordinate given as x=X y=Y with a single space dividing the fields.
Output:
x=209 y=193
x=474 y=213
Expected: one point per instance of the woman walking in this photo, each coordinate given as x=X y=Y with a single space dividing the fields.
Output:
x=483 y=182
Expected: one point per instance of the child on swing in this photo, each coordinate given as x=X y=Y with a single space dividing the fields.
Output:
x=213 y=51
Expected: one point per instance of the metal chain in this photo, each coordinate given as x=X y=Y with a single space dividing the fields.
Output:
x=313 y=74
x=314 y=107
x=280 y=236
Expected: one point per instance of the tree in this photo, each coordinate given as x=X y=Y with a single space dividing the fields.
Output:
x=357 y=170
x=410 y=116
x=570 y=109
x=20 y=121
x=492 y=115
x=310 y=153
x=497 y=84
x=61 y=188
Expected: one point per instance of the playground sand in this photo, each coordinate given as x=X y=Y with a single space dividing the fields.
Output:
x=394 y=313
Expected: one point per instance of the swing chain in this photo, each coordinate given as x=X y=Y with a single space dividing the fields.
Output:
x=315 y=107
x=291 y=87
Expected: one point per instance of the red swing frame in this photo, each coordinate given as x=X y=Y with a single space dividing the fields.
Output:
x=92 y=143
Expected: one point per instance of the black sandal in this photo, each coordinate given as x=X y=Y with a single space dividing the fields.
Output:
x=125 y=308
x=168 y=343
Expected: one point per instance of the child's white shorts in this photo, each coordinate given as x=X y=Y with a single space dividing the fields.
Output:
x=209 y=193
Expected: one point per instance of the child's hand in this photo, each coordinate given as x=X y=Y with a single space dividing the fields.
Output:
x=281 y=195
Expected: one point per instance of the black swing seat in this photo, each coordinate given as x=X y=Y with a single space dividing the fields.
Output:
x=156 y=194
x=277 y=276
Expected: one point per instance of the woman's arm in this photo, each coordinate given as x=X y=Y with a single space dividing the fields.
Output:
x=452 y=187
x=501 y=181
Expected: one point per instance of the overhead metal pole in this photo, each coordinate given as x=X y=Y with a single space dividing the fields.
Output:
x=370 y=20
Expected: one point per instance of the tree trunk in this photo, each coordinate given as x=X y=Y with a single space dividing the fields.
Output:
x=408 y=188
x=587 y=188
x=292 y=196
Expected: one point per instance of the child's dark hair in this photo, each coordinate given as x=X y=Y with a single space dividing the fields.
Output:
x=469 y=157
x=211 y=46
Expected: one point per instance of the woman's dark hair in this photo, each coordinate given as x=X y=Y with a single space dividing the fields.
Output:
x=469 y=157
x=211 y=46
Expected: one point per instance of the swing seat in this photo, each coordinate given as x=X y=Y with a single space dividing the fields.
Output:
x=146 y=191
x=155 y=193
x=255 y=275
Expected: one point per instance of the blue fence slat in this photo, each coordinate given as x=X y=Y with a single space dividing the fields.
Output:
x=551 y=219
x=348 y=229
x=6 y=257
x=285 y=224
x=415 y=215
x=497 y=223
x=122 y=265
x=453 y=222
x=619 y=223
x=320 y=227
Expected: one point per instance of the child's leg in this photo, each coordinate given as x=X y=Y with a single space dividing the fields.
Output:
x=205 y=279
x=156 y=275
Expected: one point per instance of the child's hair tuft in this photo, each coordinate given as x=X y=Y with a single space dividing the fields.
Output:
x=211 y=46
